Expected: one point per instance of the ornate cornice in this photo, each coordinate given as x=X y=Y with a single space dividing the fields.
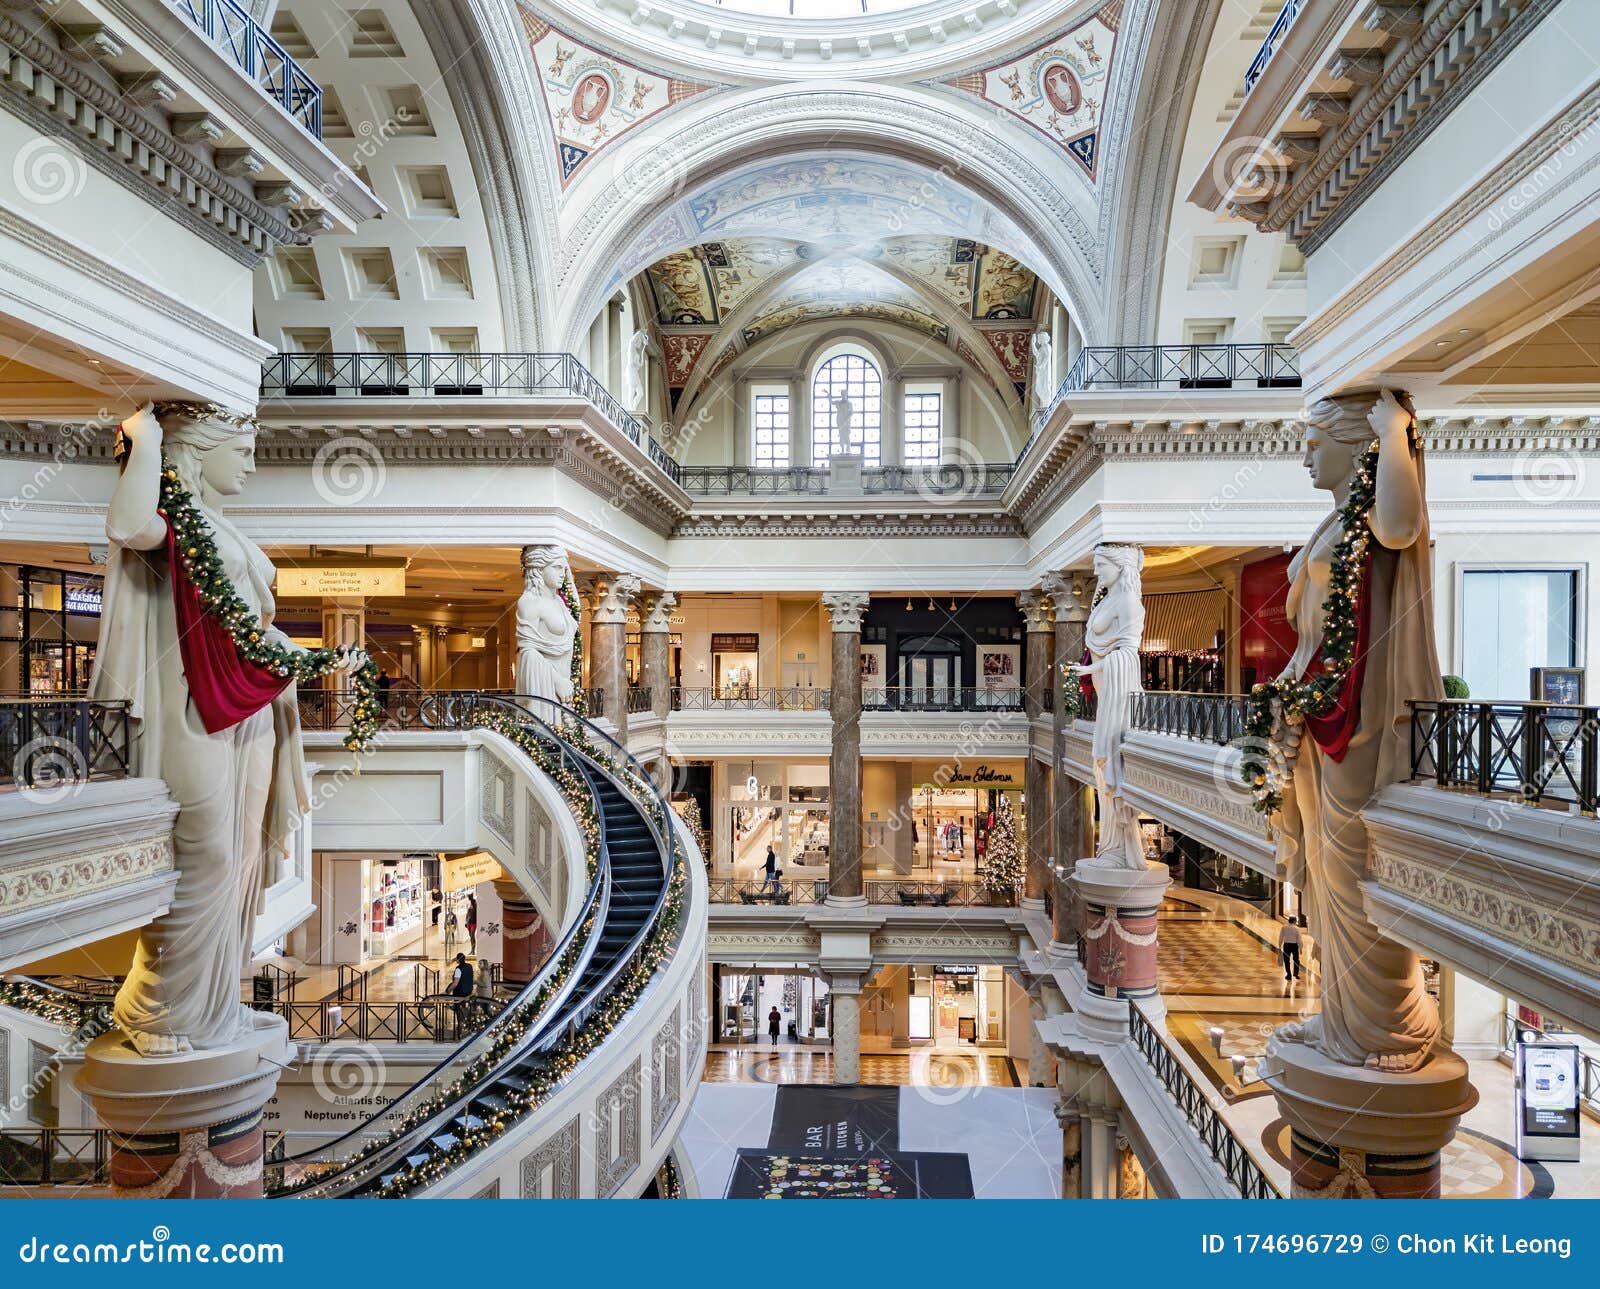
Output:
x=61 y=99
x=877 y=524
x=42 y=882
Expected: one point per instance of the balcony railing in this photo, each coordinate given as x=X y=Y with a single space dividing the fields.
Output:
x=55 y=1157
x=929 y=698
x=789 y=698
x=1269 y=46
x=1207 y=718
x=47 y=742
x=228 y=25
x=348 y=375
x=953 y=481
x=639 y=697
x=1215 y=1134
x=1588 y=1064
x=1536 y=752
x=904 y=893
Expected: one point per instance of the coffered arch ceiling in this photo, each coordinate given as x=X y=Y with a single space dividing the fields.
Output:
x=967 y=300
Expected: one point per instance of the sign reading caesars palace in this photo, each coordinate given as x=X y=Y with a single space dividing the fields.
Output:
x=347 y=578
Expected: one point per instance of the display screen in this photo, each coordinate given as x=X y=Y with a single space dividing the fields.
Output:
x=1549 y=1091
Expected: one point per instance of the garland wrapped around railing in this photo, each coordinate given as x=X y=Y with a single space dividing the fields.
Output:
x=1291 y=701
x=59 y=1008
x=570 y=1053
x=195 y=546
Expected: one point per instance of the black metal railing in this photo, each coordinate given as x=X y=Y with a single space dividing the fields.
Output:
x=639 y=700
x=932 y=698
x=952 y=481
x=228 y=25
x=737 y=890
x=788 y=698
x=1269 y=46
x=440 y=1018
x=1206 y=1119
x=1207 y=718
x=1537 y=752
x=55 y=1157
x=48 y=742
x=472 y=375
x=904 y=892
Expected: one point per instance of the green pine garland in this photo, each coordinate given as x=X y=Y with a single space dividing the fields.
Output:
x=568 y=1055
x=569 y=597
x=202 y=562
x=1071 y=691
x=1298 y=699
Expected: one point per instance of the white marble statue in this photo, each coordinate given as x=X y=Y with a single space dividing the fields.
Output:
x=1375 y=1008
x=1113 y=634
x=636 y=377
x=1043 y=369
x=844 y=411
x=241 y=791
x=545 y=629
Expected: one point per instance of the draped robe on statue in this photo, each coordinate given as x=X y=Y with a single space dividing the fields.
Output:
x=1373 y=997
x=1113 y=634
x=241 y=793
x=545 y=632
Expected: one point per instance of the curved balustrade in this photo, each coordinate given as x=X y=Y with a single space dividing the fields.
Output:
x=1207 y=718
x=543 y=1032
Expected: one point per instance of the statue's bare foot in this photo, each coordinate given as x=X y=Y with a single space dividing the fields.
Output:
x=1397 y=1062
x=159 y=1045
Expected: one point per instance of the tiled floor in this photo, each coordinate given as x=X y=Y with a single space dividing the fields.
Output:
x=810 y=1065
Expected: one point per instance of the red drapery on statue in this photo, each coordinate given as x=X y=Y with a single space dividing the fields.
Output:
x=224 y=686
x=1334 y=730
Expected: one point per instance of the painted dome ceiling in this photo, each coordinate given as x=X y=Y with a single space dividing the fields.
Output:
x=728 y=296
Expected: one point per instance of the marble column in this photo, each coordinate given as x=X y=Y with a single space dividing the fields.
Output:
x=1119 y=936
x=845 y=608
x=1072 y=1082
x=189 y=1126
x=655 y=653
x=344 y=623
x=608 y=658
x=524 y=939
x=1041 y=1066
x=1070 y=596
x=1038 y=665
x=845 y=993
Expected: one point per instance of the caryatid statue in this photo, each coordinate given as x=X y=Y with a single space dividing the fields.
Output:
x=1376 y=1010
x=1113 y=633
x=546 y=630
x=226 y=743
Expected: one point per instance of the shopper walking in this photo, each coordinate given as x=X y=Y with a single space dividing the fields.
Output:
x=774 y=1023
x=472 y=923
x=771 y=879
x=1289 y=947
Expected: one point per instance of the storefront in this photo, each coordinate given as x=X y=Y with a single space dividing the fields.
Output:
x=771 y=803
x=51 y=628
x=735 y=660
x=394 y=896
x=952 y=809
x=944 y=1007
x=743 y=999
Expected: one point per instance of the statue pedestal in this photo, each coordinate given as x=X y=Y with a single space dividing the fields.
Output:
x=844 y=474
x=1119 y=938
x=1357 y=1133
x=190 y=1126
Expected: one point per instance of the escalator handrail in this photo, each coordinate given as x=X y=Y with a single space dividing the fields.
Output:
x=596 y=903
x=553 y=1024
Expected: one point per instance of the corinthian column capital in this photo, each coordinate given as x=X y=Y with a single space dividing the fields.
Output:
x=1037 y=610
x=1069 y=593
x=613 y=593
x=846 y=608
x=655 y=611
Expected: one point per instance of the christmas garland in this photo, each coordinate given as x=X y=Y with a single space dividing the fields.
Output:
x=202 y=564
x=1071 y=691
x=569 y=597
x=566 y=1057
x=63 y=1010
x=1291 y=700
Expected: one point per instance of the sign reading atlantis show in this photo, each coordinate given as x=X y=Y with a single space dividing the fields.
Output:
x=843 y=1143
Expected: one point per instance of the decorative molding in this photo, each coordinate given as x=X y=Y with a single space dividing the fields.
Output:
x=666 y=1073
x=655 y=616
x=559 y=1154
x=491 y=1191
x=1555 y=932
x=613 y=595
x=618 y=1104
x=63 y=101
x=539 y=851
x=35 y=884
x=497 y=797
x=843 y=523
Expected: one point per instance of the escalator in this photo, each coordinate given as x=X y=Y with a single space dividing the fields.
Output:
x=601 y=964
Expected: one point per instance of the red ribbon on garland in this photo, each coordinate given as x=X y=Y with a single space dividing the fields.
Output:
x=225 y=686
x=1335 y=728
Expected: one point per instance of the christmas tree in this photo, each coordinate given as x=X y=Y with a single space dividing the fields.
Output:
x=1002 y=859
x=689 y=811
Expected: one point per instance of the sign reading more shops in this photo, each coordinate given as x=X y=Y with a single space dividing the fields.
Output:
x=346 y=577
x=470 y=870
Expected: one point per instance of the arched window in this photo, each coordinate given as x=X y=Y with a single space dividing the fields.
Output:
x=848 y=374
